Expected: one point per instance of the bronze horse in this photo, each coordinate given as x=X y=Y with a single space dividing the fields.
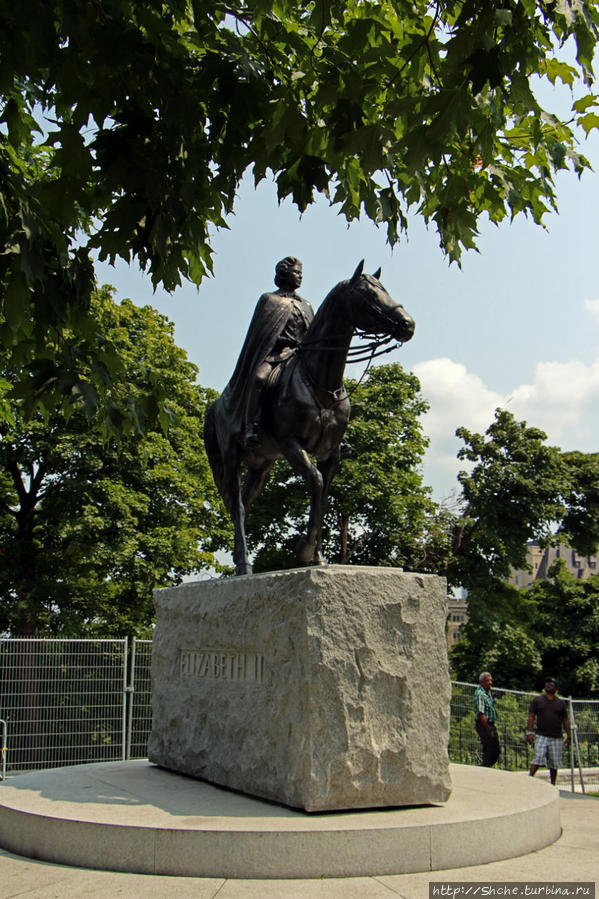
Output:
x=305 y=411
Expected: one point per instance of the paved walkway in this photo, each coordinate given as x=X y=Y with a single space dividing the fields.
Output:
x=573 y=858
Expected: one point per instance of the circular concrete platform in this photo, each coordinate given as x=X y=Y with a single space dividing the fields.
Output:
x=133 y=816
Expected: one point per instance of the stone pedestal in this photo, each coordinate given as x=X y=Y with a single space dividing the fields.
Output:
x=320 y=688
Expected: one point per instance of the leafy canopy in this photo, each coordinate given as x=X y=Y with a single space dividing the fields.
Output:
x=126 y=126
x=555 y=631
x=566 y=613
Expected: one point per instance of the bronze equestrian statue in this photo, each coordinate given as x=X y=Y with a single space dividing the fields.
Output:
x=286 y=396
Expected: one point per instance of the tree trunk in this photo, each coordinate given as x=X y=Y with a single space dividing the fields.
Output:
x=344 y=533
x=24 y=621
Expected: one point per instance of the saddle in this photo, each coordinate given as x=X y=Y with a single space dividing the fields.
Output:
x=281 y=363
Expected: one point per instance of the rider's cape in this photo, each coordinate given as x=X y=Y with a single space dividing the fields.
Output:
x=270 y=317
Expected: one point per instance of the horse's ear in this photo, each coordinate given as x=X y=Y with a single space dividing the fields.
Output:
x=357 y=272
x=377 y=274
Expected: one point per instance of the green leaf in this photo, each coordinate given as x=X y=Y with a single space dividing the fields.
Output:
x=503 y=17
x=16 y=301
x=557 y=69
x=589 y=121
x=583 y=103
x=568 y=9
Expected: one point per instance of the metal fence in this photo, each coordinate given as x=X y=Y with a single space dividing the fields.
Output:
x=68 y=702
x=582 y=764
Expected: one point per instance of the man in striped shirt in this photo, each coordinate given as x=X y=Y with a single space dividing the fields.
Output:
x=486 y=716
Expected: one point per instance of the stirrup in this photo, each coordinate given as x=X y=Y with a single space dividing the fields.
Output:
x=253 y=434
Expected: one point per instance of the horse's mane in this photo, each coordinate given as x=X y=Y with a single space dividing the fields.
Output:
x=324 y=310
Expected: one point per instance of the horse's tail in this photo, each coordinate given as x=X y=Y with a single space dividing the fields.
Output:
x=214 y=453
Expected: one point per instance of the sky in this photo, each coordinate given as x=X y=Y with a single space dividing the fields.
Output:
x=516 y=327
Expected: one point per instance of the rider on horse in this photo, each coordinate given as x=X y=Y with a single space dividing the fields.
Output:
x=280 y=321
x=306 y=411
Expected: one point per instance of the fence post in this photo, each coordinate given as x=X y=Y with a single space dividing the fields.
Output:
x=124 y=708
x=571 y=717
x=130 y=690
x=3 y=747
x=574 y=744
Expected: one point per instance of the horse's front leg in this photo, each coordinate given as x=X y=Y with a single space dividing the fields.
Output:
x=299 y=460
x=237 y=511
x=327 y=468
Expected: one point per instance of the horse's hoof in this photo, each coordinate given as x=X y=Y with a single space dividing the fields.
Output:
x=244 y=568
x=304 y=550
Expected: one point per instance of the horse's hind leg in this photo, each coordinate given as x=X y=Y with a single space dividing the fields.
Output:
x=237 y=511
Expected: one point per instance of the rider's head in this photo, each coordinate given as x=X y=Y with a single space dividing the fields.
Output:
x=288 y=273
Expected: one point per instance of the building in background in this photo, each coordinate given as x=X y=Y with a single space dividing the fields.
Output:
x=541 y=559
x=457 y=615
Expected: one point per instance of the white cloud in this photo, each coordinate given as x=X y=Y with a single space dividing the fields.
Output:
x=592 y=307
x=563 y=401
x=457 y=398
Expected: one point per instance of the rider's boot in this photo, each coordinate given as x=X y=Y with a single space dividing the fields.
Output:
x=253 y=434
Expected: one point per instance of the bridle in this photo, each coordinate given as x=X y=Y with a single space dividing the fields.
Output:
x=377 y=346
x=355 y=354
x=359 y=353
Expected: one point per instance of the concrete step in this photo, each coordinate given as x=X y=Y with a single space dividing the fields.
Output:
x=136 y=817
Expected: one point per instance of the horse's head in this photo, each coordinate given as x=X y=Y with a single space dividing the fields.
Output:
x=373 y=310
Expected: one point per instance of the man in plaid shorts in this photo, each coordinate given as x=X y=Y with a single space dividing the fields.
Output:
x=551 y=713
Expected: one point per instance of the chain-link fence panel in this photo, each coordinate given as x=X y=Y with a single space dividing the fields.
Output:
x=581 y=765
x=464 y=745
x=585 y=731
x=512 y=715
x=2 y=749
x=63 y=701
x=140 y=708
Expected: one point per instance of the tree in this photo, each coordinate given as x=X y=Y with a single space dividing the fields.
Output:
x=89 y=527
x=556 y=632
x=566 y=622
x=513 y=494
x=505 y=643
x=128 y=124
x=378 y=511
x=581 y=521
x=521 y=490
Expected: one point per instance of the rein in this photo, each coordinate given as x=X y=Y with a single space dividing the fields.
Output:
x=355 y=354
x=371 y=350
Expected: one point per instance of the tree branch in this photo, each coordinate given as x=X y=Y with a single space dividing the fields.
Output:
x=424 y=41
